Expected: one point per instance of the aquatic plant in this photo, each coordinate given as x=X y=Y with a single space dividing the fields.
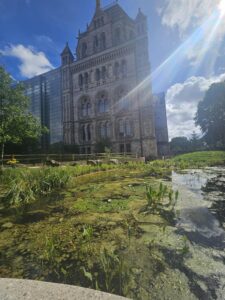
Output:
x=25 y=186
x=113 y=272
x=185 y=249
x=161 y=198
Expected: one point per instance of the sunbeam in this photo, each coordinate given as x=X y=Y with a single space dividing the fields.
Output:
x=201 y=40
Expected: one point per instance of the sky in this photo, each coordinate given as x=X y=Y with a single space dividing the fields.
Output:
x=186 y=45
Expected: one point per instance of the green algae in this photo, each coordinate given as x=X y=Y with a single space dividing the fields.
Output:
x=94 y=234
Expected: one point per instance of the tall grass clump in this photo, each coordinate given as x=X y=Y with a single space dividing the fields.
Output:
x=161 y=198
x=24 y=186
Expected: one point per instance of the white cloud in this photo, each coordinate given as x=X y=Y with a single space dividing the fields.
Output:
x=205 y=19
x=186 y=14
x=32 y=62
x=182 y=101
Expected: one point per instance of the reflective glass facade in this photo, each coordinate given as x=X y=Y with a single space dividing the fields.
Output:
x=44 y=92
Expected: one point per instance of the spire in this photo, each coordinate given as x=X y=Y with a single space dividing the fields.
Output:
x=140 y=15
x=98 y=4
x=67 y=52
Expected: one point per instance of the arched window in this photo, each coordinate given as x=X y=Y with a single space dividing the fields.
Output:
x=101 y=105
x=121 y=128
x=103 y=41
x=86 y=78
x=97 y=75
x=104 y=73
x=95 y=44
x=116 y=69
x=117 y=35
x=84 y=50
x=106 y=105
x=124 y=68
x=88 y=108
x=88 y=132
x=83 y=109
x=80 y=80
x=107 y=129
x=83 y=133
x=102 y=130
x=131 y=35
x=122 y=99
x=128 y=128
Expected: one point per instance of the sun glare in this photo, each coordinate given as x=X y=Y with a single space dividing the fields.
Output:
x=222 y=7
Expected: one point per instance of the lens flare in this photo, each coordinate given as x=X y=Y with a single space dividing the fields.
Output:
x=222 y=7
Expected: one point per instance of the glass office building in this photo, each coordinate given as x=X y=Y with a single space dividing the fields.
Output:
x=44 y=92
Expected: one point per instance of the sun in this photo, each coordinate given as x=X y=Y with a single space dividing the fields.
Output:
x=221 y=7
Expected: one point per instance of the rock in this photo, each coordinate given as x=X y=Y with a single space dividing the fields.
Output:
x=52 y=163
x=52 y=219
x=112 y=224
x=114 y=161
x=75 y=163
x=141 y=159
x=35 y=216
x=7 y=225
x=92 y=162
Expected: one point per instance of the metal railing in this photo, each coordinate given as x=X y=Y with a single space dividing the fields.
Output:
x=66 y=158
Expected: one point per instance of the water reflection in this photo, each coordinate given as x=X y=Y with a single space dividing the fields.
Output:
x=199 y=219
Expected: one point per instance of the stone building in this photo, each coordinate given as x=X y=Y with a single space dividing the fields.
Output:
x=102 y=95
x=106 y=87
x=161 y=129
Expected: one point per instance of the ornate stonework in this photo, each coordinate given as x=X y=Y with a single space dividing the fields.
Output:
x=105 y=97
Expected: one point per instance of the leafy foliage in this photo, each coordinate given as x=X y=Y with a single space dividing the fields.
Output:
x=26 y=186
x=160 y=198
x=16 y=123
x=211 y=116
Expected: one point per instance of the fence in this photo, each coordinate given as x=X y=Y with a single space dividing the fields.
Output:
x=42 y=158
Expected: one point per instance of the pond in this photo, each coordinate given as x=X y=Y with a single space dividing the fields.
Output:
x=96 y=234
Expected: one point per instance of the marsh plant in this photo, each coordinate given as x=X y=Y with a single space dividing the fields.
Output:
x=26 y=186
x=114 y=273
x=161 y=198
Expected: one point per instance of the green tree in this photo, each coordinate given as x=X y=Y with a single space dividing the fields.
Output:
x=103 y=146
x=210 y=116
x=16 y=122
x=196 y=143
x=179 y=145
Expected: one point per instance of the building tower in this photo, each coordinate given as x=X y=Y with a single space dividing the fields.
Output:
x=106 y=90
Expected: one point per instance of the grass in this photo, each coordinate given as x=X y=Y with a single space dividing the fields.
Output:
x=23 y=186
x=161 y=198
x=95 y=205
x=201 y=159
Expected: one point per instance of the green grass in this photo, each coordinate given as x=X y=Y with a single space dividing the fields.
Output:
x=206 y=158
x=96 y=205
x=23 y=186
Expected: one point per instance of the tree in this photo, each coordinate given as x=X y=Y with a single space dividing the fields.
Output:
x=16 y=122
x=196 y=143
x=179 y=145
x=210 y=116
x=103 y=146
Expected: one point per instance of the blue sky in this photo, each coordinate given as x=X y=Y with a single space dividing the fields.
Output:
x=186 y=44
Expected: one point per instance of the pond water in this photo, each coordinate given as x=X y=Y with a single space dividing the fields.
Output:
x=97 y=235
